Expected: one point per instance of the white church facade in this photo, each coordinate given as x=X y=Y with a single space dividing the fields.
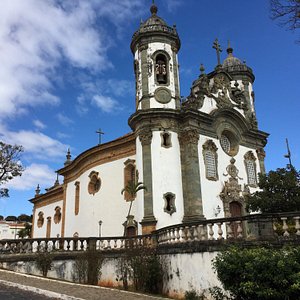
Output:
x=198 y=158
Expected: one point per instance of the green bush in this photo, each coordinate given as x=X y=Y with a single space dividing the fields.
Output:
x=43 y=260
x=260 y=273
x=143 y=267
x=192 y=295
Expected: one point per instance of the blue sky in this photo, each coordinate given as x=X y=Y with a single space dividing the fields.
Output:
x=67 y=70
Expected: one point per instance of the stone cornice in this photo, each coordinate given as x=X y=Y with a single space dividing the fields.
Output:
x=100 y=154
x=51 y=196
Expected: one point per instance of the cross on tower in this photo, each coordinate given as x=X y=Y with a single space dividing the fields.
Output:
x=100 y=133
x=217 y=46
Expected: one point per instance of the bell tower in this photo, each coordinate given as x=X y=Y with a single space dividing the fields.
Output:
x=155 y=46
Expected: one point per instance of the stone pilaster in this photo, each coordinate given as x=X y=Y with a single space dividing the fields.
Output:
x=191 y=185
x=261 y=154
x=176 y=78
x=145 y=80
x=149 y=222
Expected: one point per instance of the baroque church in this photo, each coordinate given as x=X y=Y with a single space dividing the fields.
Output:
x=197 y=158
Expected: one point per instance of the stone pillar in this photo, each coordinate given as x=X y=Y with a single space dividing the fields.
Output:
x=176 y=77
x=149 y=222
x=191 y=185
x=261 y=154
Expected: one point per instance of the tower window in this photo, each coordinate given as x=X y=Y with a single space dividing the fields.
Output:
x=210 y=160
x=169 y=203
x=250 y=168
x=161 y=69
x=166 y=139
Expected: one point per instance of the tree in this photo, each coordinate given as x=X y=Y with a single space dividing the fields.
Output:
x=10 y=165
x=280 y=192
x=287 y=11
x=26 y=231
x=132 y=188
x=25 y=218
x=260 y=273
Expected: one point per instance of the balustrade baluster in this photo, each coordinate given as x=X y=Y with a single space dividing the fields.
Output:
x=195 y=233
x=239 y=229
x=210 y=231
x=68 y=245
x=108 y=245
x=229 y=230
x=203 y=232
x=220 y=231
x=188 y=234
x=168 y=236
x=297 y=225
x=172 y=235
x=177 y=235
x=285 y=227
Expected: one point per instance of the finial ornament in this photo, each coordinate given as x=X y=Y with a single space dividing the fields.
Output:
x=217 y=46
x=68 y=156
x=153 y=8
x=38 y=190
x=229 y=49
x=202 y=69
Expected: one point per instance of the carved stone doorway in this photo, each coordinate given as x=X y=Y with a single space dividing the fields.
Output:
x=235 y=209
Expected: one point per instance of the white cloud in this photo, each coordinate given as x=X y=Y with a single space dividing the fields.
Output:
x=36 y=36
x=63 y=119
x=33 y=175
x=36 y=144
x=105 y=103
x=173 y=5
x=39 y=124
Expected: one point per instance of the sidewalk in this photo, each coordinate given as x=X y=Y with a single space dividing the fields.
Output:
x=65 y=290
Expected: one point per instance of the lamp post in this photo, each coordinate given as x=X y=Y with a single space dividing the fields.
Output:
x=100 y=223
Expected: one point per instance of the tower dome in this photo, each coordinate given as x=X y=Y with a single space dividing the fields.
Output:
x=234 y=66
x=156 y=30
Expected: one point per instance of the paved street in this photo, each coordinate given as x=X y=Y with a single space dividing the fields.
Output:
x=11 y=293
x=58 y=289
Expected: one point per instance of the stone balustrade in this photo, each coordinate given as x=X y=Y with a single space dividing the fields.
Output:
x=283 y=226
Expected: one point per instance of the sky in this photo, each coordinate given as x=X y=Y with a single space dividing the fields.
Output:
x=66 y=70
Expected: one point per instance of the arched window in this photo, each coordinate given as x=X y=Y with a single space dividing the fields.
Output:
x=161 y=73
x=250 y=165
x=130 y=177
x=210 y=160
x=77 y=197
x=40 y=221
x=95 y=183
x=57 y=215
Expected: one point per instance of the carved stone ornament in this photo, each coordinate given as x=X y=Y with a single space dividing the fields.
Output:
x=232 y=190
x=261 y=153
x=250 y=156
x=145 y=136
x=189 y=137
x=210 y=145
x=162 y=95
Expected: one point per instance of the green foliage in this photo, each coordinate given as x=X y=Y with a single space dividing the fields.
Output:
x=25 y=218
x=132 y=188
x=43 y=260
x=260 y=273
x=280 y=192
x=25 y=232
x=88 y=266
x=192 y=295
x=144 y=268
x=10 y=165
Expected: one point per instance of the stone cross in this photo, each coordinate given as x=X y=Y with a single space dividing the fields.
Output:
x=100 y=133
x=217 y=46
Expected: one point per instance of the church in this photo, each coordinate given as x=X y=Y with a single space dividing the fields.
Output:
x=195 y=158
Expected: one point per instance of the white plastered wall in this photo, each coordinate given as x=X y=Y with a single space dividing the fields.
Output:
x=107 y=205
x=49 y=211
x=166 y=174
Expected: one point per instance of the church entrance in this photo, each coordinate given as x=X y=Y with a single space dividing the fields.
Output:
x=235 y=209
